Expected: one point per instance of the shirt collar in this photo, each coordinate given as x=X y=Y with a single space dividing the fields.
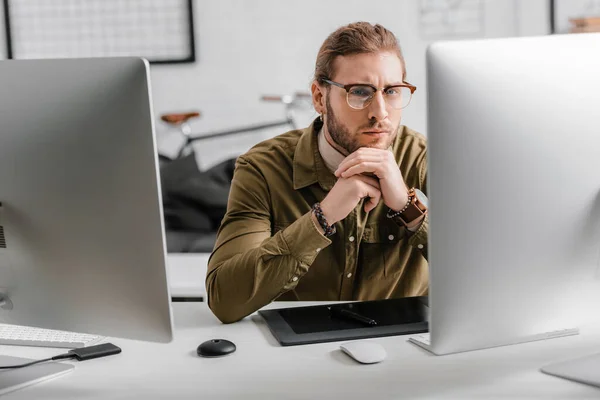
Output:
x=309 y=166
x=331 y=157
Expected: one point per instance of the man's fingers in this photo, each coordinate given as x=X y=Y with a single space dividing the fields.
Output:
x=369 y=181
x=373 y=201
x=347 y=164
x=355 y=159
x=373 y=194
x=364 y=167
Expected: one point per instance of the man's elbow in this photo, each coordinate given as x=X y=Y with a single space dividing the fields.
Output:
x=225 y=314
x=225 y=311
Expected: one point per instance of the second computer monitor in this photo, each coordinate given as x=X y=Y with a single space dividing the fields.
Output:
x=81 y=231
x=514 y=187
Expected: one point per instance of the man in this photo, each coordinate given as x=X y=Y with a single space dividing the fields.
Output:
x=333 y=211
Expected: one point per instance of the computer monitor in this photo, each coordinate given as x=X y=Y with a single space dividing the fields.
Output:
x=81 y=230
x=514 y=188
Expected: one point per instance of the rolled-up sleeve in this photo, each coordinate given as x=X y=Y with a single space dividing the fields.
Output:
x=419 y=238
x=250 y=267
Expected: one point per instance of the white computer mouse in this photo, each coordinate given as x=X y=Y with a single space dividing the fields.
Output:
x=365 y=352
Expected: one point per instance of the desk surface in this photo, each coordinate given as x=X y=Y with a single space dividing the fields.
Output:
x=261 y=369
x=187 y=273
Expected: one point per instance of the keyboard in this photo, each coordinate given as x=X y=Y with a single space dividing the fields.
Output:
x=29 y=336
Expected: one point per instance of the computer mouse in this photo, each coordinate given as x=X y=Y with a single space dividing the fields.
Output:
x=215 y=348
x=365 y=352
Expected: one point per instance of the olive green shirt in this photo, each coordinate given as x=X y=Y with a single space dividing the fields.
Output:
x=268 y=247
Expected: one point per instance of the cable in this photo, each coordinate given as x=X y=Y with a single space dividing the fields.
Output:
x=81 y=354
x=59 y=357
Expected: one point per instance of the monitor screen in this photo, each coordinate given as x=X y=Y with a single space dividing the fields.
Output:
x=81 y=230
x=514 y=187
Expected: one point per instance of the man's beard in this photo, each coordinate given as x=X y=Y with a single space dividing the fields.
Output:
x=350 y=141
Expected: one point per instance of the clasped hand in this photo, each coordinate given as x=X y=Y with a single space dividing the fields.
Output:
x=382 y=165
x=366 y=173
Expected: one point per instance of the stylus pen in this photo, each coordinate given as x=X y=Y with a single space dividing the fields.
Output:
x=351 y=315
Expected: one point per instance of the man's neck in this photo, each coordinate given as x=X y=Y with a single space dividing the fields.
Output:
x=329 y=152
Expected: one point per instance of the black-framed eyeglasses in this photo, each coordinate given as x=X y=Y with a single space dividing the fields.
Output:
x=360 y=95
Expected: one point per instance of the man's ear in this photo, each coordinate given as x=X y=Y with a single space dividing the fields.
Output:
x=318 y=97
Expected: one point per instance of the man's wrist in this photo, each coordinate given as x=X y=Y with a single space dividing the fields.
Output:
x=416 y=224
x=403 y=200
x=394 y=212
x=316 y=223
x=327 y=213
x=413 y=211
x=327 y=227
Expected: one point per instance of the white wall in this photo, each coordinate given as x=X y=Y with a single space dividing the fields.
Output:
x=246 y=48
x=249 y=48
x=533 y=17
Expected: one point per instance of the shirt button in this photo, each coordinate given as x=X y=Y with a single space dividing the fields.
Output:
x=419 y=246
x=349 y=275
x=351 y=238
x=295 y=278
x=318 y=250
x=391 y=237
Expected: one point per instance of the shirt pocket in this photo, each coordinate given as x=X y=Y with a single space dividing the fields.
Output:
x=380 y=251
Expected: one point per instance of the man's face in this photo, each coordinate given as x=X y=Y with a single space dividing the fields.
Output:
x=374 y=126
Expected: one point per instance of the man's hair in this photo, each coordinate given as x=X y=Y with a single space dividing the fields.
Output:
x=355 y=38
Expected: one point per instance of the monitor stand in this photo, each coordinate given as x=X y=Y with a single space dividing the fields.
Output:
x=13 y=379
x=583 y=370
x=424 y=340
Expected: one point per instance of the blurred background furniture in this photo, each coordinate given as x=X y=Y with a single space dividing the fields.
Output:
x=195 y=200
x=586 y=24
x=187 y=275
x=574 y=16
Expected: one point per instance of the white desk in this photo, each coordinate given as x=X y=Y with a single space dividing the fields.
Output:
x=187 y=274
x=261 y=369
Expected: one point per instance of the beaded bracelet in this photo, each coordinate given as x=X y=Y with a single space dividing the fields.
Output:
x=329 y=230
x=392 y=214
